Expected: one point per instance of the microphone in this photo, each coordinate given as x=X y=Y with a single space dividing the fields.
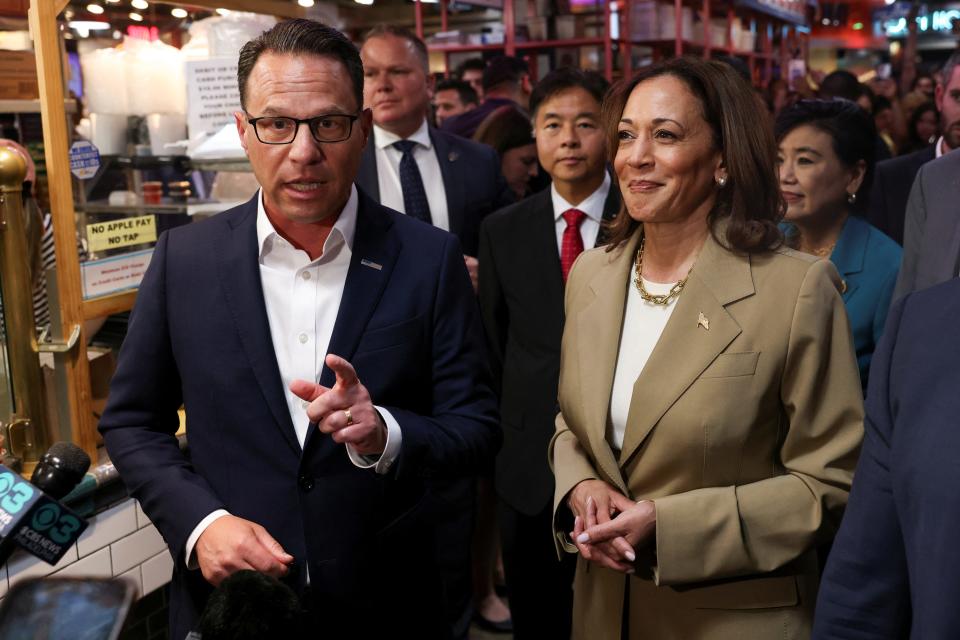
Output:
x=31 y=514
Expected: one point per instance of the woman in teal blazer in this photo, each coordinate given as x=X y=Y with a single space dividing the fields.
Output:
x=826 y=161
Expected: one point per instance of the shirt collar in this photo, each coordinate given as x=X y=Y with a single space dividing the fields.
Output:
x=343 y=230
x=592 y=205
x=383 y=138
x=939 y=148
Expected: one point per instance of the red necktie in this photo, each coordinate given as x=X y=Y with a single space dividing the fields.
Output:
x=572 y=244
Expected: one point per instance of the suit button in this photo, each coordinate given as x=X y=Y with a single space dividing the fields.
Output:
x=305 y=482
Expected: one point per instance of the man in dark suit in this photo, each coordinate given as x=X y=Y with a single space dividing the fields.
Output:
x=444 y=180
x=328 y=355
x=894 y=177
x=526 y=251
x=506 y=83
x=931 y=247
x=894 y=571
x=460 y=179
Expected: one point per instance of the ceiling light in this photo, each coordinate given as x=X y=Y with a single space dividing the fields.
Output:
x=111 y=1
x=223 y=12
x=305 y=3
x=857 y=26
x=177 y=12
x=95 y=8
x=136 y=17
x=368 y=2
x=139 y=4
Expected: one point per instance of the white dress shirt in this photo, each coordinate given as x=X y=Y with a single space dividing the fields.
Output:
x=592 y=206
x=388 y=173
x=939 y=150
x=643 y=324
x=302 y=299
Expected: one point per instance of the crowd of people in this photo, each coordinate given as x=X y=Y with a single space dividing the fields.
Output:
x=614 y=355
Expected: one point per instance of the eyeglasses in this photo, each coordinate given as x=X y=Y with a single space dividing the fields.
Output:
x=330 y=127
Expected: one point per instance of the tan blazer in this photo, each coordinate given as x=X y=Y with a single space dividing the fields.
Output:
x=744 y=432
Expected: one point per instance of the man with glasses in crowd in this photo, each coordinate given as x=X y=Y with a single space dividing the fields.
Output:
x=329 y=357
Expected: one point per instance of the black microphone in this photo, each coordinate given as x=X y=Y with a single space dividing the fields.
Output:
x=60 y=469
x=31 y=515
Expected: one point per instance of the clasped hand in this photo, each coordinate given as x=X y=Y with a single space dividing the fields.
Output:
x=608 y=526
x=329 y=407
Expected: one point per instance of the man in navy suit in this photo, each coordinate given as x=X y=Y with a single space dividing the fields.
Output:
x=329 y=357
x=461 y=179
x=894 y=571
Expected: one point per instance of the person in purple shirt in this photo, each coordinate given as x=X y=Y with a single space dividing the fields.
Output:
x=506 y=81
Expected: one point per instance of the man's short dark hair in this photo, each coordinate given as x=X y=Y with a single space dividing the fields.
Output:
x=567 y=78
x=464 y=91
x=504 y=70
x=383 y=29
x=840 y=84
x=300 y=36
x=471 y=64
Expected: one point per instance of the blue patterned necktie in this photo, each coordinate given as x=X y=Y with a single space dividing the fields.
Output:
x=414 y=196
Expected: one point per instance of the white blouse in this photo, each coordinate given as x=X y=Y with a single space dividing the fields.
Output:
x=643 y=324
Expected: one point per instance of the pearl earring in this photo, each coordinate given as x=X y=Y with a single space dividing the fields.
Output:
x=852 y=198
x=722 y=181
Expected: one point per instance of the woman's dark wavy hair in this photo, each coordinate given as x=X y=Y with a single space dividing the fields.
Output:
x=852 y=132
x=746 y=211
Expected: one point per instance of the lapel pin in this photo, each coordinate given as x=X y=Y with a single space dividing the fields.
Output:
x=452 y=156
x=371 y=264
x=703 y=322
x=843 y=287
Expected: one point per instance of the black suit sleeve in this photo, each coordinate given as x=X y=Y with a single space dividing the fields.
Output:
x=493 y=307
x=140 y=420
x=877 y=211
x=864 y=592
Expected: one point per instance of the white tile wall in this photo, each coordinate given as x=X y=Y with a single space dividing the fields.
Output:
x=136 y=548
x=156 y=571
x=142 y=519
x=95 y=565
x=119 y=541
x=108 y=526
x=134 y=576
x=22 y=565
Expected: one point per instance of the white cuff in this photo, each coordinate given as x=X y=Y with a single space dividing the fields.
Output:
x=191 y=558
x=382 y=463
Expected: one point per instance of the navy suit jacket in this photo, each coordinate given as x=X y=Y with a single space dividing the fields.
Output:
x=199 y=335
x=894 y=571
x=472 y=181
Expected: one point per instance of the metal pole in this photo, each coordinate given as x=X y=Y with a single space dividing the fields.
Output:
x=21 y=332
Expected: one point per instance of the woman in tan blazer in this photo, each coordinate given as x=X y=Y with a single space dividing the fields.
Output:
x=710 y=403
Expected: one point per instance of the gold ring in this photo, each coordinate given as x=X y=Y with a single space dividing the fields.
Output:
x=349 y=416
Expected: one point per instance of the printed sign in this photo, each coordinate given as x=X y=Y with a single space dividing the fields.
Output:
x=121 y=233
x=84 y=159
x=212 y=94
x=113 y=274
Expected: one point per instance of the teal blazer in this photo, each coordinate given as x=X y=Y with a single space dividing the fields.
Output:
x=868 y=262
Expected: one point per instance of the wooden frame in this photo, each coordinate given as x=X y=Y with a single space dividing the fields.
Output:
x=43 y=19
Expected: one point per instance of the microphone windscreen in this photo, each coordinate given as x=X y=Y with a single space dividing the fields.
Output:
x=60 y=469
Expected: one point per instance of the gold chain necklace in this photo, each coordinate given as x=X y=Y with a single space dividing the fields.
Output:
x=650 y=297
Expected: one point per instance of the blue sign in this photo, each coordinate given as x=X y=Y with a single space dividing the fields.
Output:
x=84 y=159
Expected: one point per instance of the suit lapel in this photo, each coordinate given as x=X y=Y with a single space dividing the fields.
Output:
x=240 y=275
x=611 y=207
x=686 y=347
x=367 y=177
x=454 y=186
x=599 y=325
x=374 y=255
x=850 y=253
x=542 y=236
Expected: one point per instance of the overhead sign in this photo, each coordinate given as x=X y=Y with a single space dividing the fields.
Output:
x=121 y=233
x=84 y=159
x=939 y=21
